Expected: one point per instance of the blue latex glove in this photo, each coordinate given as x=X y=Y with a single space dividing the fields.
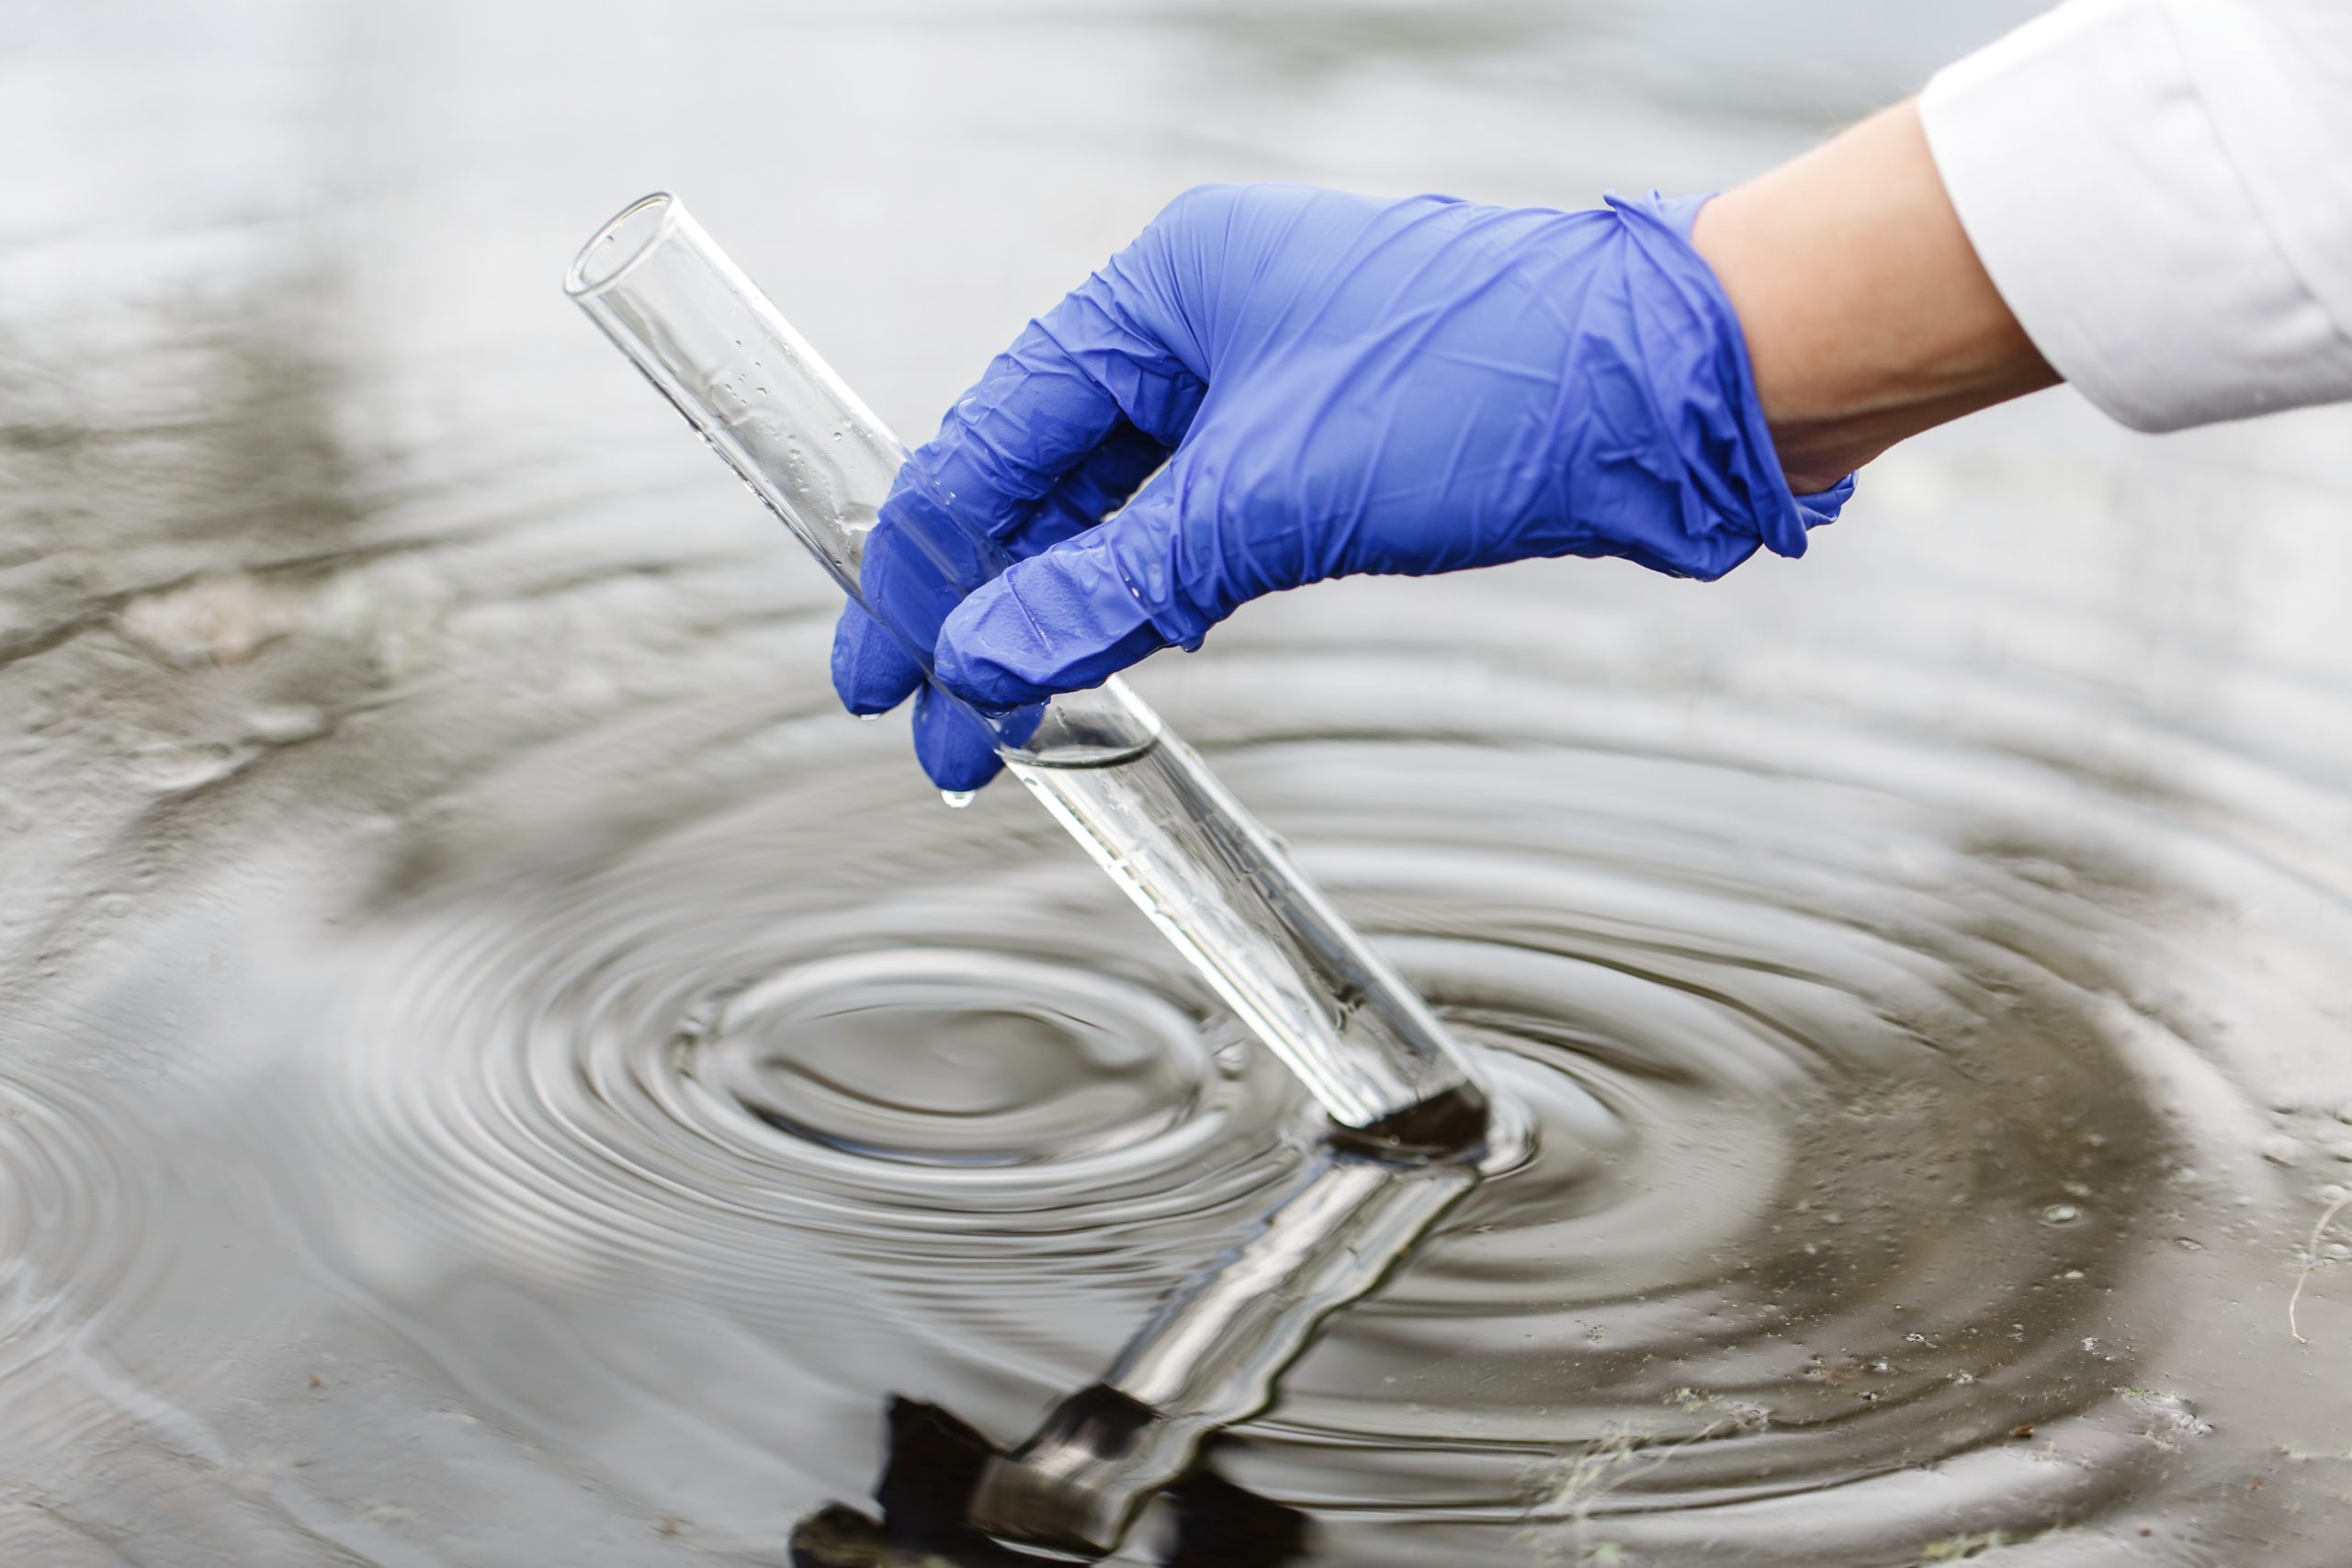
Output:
x=1335 y=384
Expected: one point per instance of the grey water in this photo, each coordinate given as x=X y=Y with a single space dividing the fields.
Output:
x=495 y=1070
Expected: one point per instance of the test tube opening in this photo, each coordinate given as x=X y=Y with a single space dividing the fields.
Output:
x=613 y=249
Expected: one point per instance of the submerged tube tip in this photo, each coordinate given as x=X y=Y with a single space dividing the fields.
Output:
x=1452 y=1126
x=621 y=243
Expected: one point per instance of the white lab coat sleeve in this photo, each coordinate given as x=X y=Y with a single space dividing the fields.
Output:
x=2161 y=191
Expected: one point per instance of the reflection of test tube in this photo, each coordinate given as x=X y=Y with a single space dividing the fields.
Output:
x=1210 y=1355
x=1139 y=799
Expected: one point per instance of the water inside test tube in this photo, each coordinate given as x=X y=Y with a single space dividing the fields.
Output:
x=1157 y=820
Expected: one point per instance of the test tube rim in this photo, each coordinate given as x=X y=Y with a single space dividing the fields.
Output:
x=577 y=283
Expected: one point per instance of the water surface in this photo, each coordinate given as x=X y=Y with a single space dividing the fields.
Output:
x=495 y=1070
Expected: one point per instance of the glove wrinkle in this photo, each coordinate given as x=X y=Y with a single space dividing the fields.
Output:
x=1296 y=384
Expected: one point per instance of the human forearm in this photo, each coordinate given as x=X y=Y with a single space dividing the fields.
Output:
x=1867 y=314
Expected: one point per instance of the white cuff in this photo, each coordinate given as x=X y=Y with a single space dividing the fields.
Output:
x=2090 y=173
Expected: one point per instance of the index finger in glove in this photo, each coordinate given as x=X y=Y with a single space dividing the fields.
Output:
x=872 y=669
x=1069 y=383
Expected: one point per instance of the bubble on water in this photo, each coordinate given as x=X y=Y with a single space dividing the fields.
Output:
x=2061 y=1214
x=2282 y=1149
x=957 y=799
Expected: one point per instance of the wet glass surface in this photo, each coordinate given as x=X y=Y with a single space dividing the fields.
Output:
x=495 y=1070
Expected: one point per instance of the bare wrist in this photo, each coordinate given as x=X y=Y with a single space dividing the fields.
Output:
x=1867 y=314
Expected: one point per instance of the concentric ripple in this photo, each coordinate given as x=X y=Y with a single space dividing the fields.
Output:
x=496 y=1071
x=1888 y=1183
x=116 y=1316
x=946 y=1056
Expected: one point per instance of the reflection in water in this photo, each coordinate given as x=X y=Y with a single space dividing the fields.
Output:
x=494 y=1070
x=1211 y=1352
x=1887 y=1164
x=935 y=1465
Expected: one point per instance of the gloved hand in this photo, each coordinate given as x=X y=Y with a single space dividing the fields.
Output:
x=1335 y=384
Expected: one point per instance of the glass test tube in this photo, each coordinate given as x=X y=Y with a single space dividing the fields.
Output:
x=1141 y=802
